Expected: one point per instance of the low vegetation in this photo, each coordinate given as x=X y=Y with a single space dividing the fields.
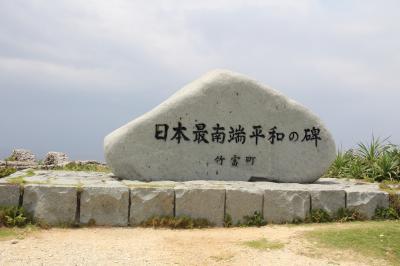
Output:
x=342 y=215
x=14 y=223
x=13 y=216
x=180 y=222
x=88 y=167
x=377 y=161
x=379 y=239
x=20 y=180
x=264 y=244
x=6 y=171
x=249 y=220
x=7 y=233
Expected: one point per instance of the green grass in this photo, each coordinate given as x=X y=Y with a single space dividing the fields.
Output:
x=7 y=232
x=73 y=166
x=264 y=244
x=377 y=160
x=6 y=171
x=19 y=233
x=378 y=239
x=180 y=222
x=20 y=180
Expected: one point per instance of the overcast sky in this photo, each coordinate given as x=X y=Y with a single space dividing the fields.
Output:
x=72 y=71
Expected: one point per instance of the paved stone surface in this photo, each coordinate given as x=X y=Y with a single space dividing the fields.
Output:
x=54 y=205
x=198 y=202
x=243 y=202
x=147 y=202
x=281 y=206
x=9 y=195
x=223 y=126
x=104 y=205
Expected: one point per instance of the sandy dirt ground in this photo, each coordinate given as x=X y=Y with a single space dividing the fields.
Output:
x=146 y=246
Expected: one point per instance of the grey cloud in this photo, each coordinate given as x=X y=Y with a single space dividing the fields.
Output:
x=72 y=71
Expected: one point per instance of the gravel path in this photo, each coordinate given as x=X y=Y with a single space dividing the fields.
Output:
x=141 y=246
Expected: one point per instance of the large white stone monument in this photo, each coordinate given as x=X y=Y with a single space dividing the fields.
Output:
x=223 y=126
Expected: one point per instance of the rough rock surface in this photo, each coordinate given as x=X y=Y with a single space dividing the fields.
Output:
x=243 y=202
x=9 y=195
x=330 y=200
x=147 y=202
x=54 y=205
x=20 y=159
x=223 y=126
x=196 y=202
x=366 y=201
x=22 y=155
x=53 y=195
x=282 y=206
x=104 y=205
x=55 y=158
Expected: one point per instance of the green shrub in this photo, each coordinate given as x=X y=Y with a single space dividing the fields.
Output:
x=254 y=220
x=342 y=215
x=348 y=215
x=377 y=160
x=386 y=214
x=394 y=202
x=183 y=222
x=318 y=216
x=6 y=171
x=13 y=216
x=228 y=220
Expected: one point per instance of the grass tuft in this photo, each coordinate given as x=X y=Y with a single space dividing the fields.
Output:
x=181 y=222
x=264 y=244
x=73 y=166
x=13 y=216
x=6 y=171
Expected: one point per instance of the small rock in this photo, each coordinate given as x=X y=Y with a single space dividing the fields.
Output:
x=55 y=158
x=85 y=162
x=22 y=155
x=14 y=242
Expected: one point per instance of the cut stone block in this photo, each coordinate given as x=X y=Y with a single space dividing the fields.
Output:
x=329 y=200
x=9 y=195
x=285 y=206
x=243 y=202
x=205 y=203
x=105 y=205
x=367 y=201
x=150 y=202
x=54 y=205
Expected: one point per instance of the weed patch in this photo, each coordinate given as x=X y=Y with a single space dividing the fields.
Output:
x=74 y=166
x=264 y=244
x=6 y=171
x=13 y=216
x=182 y=222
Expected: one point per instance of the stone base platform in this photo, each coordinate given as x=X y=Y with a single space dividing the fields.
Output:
x=61 y=198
